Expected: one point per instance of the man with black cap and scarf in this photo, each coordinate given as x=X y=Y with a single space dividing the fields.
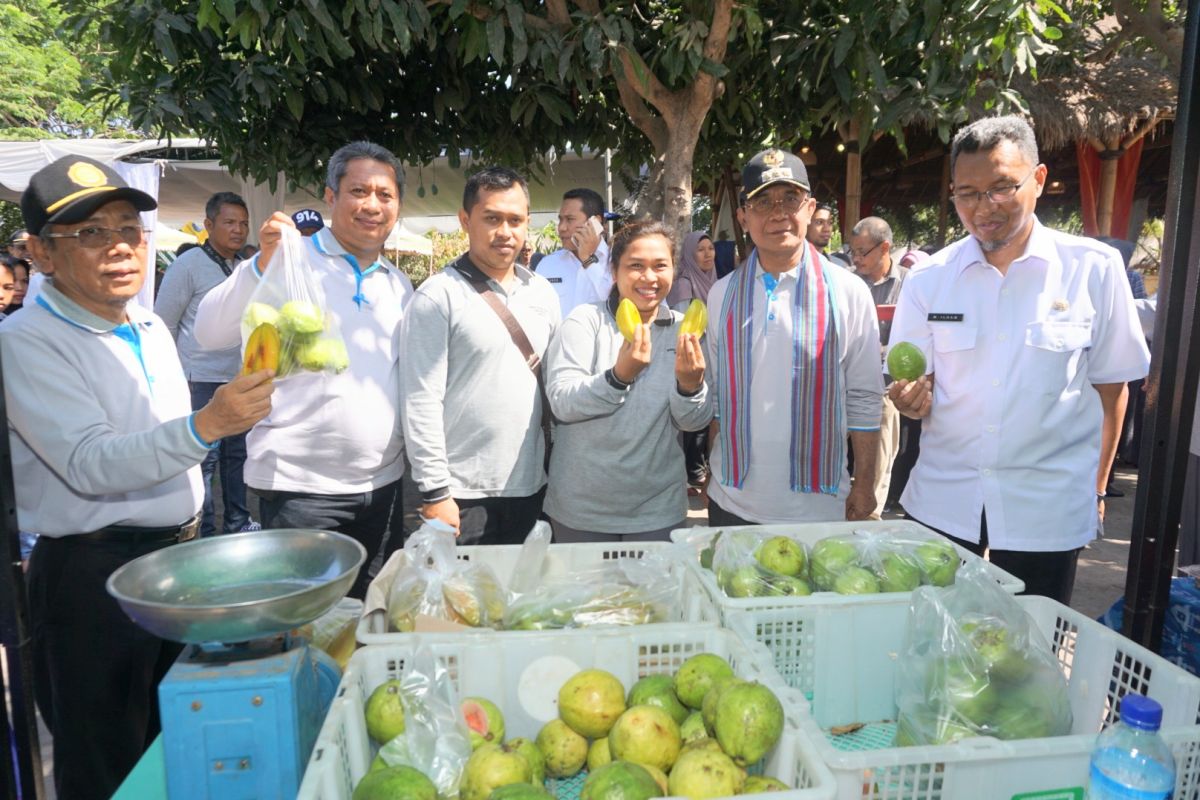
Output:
x=106 y=456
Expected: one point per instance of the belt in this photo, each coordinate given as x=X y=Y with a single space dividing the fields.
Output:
x=131 y=534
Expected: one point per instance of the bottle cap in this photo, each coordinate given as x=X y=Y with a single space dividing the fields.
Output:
x=1141 y=712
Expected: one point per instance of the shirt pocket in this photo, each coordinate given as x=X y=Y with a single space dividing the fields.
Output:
x=1054 y=352
x=953 y=357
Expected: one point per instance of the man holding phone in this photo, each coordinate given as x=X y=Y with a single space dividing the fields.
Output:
x=579 y=271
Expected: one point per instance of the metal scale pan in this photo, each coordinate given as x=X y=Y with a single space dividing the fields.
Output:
x=238 y=587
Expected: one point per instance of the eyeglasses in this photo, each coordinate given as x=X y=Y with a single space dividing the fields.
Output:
x=1001 y=194
x=18 y=244
x=94 y=237
x=861 y=255
x=764 y=205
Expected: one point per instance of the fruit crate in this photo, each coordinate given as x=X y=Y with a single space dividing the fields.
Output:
x=845 y=659
x=809 y=534
x=522 y=674
x=693 y=603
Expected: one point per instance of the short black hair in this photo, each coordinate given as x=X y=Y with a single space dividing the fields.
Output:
x=824 y=207
x=985 y=135
x=341 y=158
x=593 y=204
x=491 y=179
x=213 y=206
x=183 y=248
x=628 y=234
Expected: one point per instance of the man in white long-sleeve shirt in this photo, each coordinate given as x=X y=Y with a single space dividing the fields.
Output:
x=579 y=272
x=794 y=346
x=106 y=454
x=331 y=454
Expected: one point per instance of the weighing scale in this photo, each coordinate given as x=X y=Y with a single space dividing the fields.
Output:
x=242 y=705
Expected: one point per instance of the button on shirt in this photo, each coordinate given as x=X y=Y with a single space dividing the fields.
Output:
x=765 y=496
x=100 y=420
x=1015 y=425
x=327 y=433
x=574 y=285
x=188 y=279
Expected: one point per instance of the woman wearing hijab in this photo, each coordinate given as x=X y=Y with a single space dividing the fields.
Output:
x=696 y=277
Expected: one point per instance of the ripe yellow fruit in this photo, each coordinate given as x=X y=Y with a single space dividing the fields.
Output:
x=695 y=319
x=628 y=318
x=262 y=349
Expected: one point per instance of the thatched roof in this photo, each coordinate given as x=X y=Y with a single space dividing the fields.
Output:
x=1098 y=101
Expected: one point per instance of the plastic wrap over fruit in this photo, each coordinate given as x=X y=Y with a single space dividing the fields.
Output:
x=624 y=591
x=434 y=583
x=975 y=664
x=751 y=563
x=285 y=325
x=435 y=740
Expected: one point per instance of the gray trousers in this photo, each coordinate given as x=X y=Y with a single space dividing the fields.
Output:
x=564 y=534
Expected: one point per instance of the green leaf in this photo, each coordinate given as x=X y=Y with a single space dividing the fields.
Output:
x=845 y=41
x=1052 y=33
x=495 y=37
x=474 y=41
x=295 y=103
x=713 y=68
x=228 y=9
x=321 y=14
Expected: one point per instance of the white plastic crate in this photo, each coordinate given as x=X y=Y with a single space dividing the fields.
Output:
x=693 y=604
x=845 y=659
x=809 y=534
x=523 y=675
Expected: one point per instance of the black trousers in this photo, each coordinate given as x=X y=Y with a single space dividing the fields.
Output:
x=97 y=672
x=695 y=456
x=498 y=520
x=1047 y=574
x=720 y=518
x=364 y=517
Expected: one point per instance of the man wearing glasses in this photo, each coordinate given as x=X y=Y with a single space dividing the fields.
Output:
x=18 y=245
x=106 y=455
x=1030 y=336
x=795 y=346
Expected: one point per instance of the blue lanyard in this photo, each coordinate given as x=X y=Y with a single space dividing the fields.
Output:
x=126 y=332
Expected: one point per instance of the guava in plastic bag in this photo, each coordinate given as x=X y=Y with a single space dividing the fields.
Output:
x=435 y=738
x=975 y=664
x=751 y=563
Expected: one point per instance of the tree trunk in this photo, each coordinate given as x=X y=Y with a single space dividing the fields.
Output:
x=853 y=181
x=1108 y=189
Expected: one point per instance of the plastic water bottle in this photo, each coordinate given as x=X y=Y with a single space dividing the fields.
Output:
x=1130 y=759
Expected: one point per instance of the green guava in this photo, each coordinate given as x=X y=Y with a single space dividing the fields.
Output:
x=749 y=722
x=260 y=314
x=658 y=690
x=590 y=702
x=898 y=573
x=384 y=711
x=301 y=317
x=395 y=783
x=905 y=361
x=489 y=768
x=645 y=735
x=598 y=754
x=939 y=561
x=827 y=560
x=708 y=709
x=537 y=764
x=856 y=580
x=323 y=354
x=755 y=784
x=484 y=721
x=702 y=772
x=782 y=555
x=521 y=791
x=697 y=675
x=565 y=751
x=620 y=780
x=693 y=728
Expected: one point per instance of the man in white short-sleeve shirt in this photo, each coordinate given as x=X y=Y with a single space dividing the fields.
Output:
x=1030 y=336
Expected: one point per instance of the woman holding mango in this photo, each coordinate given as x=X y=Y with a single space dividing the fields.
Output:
x=623 y=378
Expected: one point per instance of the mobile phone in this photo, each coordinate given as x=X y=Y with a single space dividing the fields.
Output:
x=595 y=225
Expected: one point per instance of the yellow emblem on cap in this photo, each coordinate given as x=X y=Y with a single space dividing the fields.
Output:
x=772 y=158
x=88 y=175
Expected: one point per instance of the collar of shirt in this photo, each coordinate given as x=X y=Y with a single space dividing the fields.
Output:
x=1040 y=246
x=72 y=313
x=793 y=273
x=663 y=317
x=328 y=245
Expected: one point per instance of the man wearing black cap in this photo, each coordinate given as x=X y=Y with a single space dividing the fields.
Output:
x=795 y=344
x=106 y=453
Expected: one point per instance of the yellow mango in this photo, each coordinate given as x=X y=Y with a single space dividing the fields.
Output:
x=262 y=349
x=695 y=319
x=628 y=318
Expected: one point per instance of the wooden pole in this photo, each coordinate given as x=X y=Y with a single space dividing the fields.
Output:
x=944 y=202
x=1108 y=185
x=853 y=180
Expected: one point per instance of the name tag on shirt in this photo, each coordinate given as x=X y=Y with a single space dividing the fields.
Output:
x=554 y=280
x=942 y=317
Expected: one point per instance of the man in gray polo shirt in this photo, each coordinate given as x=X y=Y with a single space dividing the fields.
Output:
x=472 y=406
x=189 y=278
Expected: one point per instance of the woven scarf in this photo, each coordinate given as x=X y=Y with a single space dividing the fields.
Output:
x=818 y=425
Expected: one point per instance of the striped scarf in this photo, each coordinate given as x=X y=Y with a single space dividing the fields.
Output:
x=818 y=425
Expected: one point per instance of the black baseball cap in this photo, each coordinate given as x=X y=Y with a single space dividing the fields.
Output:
x=308 y=218
x=773 y=166
x=71 y=189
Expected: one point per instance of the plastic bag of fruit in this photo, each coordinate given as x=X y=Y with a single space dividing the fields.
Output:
x=975 y=664
x=434 y=583
x=868 y=562
x=624 y=591
x=435 y=739
x=750 y=563
x=285 y=326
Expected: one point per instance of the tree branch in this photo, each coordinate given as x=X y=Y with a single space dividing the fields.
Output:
x=718 y=32
x=635 y=106
x=557 y=14
x=589 y=6
x=1141 y=131
x=654 y=92
x=1151 y=24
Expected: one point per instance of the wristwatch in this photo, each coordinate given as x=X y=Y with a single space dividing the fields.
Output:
x=587 y=262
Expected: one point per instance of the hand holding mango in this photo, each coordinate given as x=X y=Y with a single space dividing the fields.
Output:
x=634 y=355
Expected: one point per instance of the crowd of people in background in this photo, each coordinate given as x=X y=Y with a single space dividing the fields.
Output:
x=510 y=389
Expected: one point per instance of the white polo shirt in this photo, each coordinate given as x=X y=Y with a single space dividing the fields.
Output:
x=1015 y=425
x=766 y=496
x=100 y=420
x=574 y=285
x=326 y=433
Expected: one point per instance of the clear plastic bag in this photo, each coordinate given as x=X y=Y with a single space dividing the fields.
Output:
x=974 y=664
x=300 y=333
x=625 y=591
x=750 y=563
x=868 y=562
x=333 y=631
x=434 y=583
x=435 y=738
